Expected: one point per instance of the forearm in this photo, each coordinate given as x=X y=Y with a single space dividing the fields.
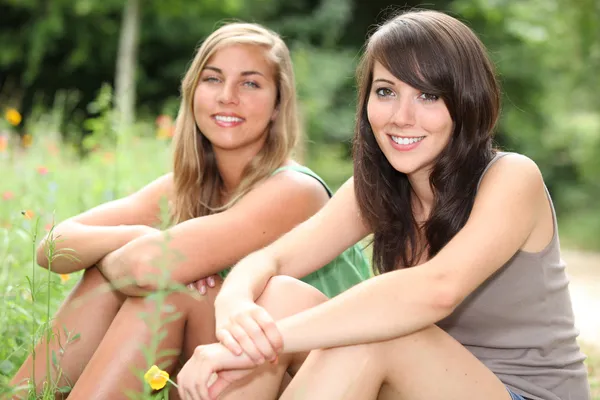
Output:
x=76 y=246
x=251 y=275
x=385 y=307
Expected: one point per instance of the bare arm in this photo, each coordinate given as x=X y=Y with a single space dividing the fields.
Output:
x=303 y=250
x=91 y=235
x=505 y=213
x=212 y=243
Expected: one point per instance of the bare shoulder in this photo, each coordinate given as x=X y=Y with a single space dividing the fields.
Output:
x=514 y=171
x=293 y=185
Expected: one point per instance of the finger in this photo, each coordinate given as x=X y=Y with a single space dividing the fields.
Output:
x=226 y=339
x=201 y=285
x=247 y=344
x=218 y=387
x=258 y=337
x=211 y=281
x=267 y=324
x=192 y=395
x=204 y=380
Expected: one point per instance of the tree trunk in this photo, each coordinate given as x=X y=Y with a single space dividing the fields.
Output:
x=126 y=65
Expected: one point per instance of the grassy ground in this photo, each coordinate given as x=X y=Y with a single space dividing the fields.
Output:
x=47 y=182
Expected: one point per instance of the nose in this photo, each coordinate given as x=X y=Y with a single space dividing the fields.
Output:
x=228 y=94
x=403 y=112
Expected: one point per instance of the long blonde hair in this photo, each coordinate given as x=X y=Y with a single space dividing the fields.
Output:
x=198 y=183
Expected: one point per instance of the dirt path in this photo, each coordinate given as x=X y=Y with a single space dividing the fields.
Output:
x=584 y=271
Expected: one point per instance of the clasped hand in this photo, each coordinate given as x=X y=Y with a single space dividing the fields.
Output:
x=248 y=337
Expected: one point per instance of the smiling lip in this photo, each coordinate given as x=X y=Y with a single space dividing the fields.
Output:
x=227 y=120
x=405 y=147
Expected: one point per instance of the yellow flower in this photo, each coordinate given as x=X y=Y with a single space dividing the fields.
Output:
x=27 y=140
x=156 y=377
x=28 y=214
x=64 y=277
x=12 y=116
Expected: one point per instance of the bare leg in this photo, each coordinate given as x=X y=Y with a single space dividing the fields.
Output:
x=109 y=373
x=88 y=311
x=426 y=365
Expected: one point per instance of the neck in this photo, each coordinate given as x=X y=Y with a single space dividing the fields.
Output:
x=423 y=194
x=231 y=164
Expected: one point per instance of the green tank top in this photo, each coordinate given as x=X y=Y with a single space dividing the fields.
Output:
x=345 y=271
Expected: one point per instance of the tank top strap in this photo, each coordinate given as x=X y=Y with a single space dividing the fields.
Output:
x=554 y=242
x=304 y=170
x=498 y=156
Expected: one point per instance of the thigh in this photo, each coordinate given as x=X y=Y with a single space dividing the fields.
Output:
x=78 y=328
x=283 y=296
x=431 y=365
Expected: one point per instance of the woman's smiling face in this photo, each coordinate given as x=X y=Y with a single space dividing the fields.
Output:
x=411 y=127
x=235 y=99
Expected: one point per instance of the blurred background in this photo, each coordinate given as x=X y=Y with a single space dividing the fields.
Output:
x=64 y=64
x=89 y=90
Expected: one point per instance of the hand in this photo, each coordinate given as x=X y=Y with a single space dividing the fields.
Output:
x=245 y=327
x=201 y=284
x=196 y=379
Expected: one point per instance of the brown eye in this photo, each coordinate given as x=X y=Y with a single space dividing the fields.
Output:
x=384 y=92
x=429 y=97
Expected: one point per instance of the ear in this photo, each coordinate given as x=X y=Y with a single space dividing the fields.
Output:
x=275 y=113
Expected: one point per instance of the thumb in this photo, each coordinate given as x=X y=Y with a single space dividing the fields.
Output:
x=218 y=387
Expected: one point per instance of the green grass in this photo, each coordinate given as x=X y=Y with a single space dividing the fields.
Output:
x=52 y=183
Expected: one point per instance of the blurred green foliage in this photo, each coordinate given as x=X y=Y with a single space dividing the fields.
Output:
x=55 y=57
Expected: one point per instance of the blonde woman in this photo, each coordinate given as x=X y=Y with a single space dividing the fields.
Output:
x=233 y=190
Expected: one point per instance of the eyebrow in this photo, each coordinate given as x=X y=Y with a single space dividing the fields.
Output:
x=384 y=81
x=244 y=73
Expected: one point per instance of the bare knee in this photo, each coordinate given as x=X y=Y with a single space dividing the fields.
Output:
x=285 y=296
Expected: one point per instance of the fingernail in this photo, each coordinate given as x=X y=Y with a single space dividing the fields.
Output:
x=202 y=289
x=274 y=360
x=211 y=282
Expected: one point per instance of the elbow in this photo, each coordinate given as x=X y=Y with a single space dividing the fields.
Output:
x=446 y=296
x=142 y=277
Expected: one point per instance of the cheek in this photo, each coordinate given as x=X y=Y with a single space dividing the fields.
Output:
x=263 y=107
x=439 y=123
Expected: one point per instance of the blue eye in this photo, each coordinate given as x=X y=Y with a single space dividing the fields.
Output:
x=211 y=79
x=384 y=92
x=429 y=97
x=251 y=84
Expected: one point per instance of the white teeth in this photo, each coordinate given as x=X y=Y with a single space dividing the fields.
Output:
x=407 y=141
x=224 y=118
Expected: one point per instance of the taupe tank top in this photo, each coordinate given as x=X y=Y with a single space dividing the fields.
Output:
x=520 y=324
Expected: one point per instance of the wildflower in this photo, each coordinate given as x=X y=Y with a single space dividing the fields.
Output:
x=64 y=277
x=157 y=378
x=162 y=133
x=163 y=121
x=13 y=116
x=53 y=149
x=42 y=170
x=108 y=157
x=27 y=140
x=8 y=195
x=3 y=143
x=28 y=214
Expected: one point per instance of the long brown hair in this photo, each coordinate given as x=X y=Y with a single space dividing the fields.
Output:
x=436 y=54
x=196 y=178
